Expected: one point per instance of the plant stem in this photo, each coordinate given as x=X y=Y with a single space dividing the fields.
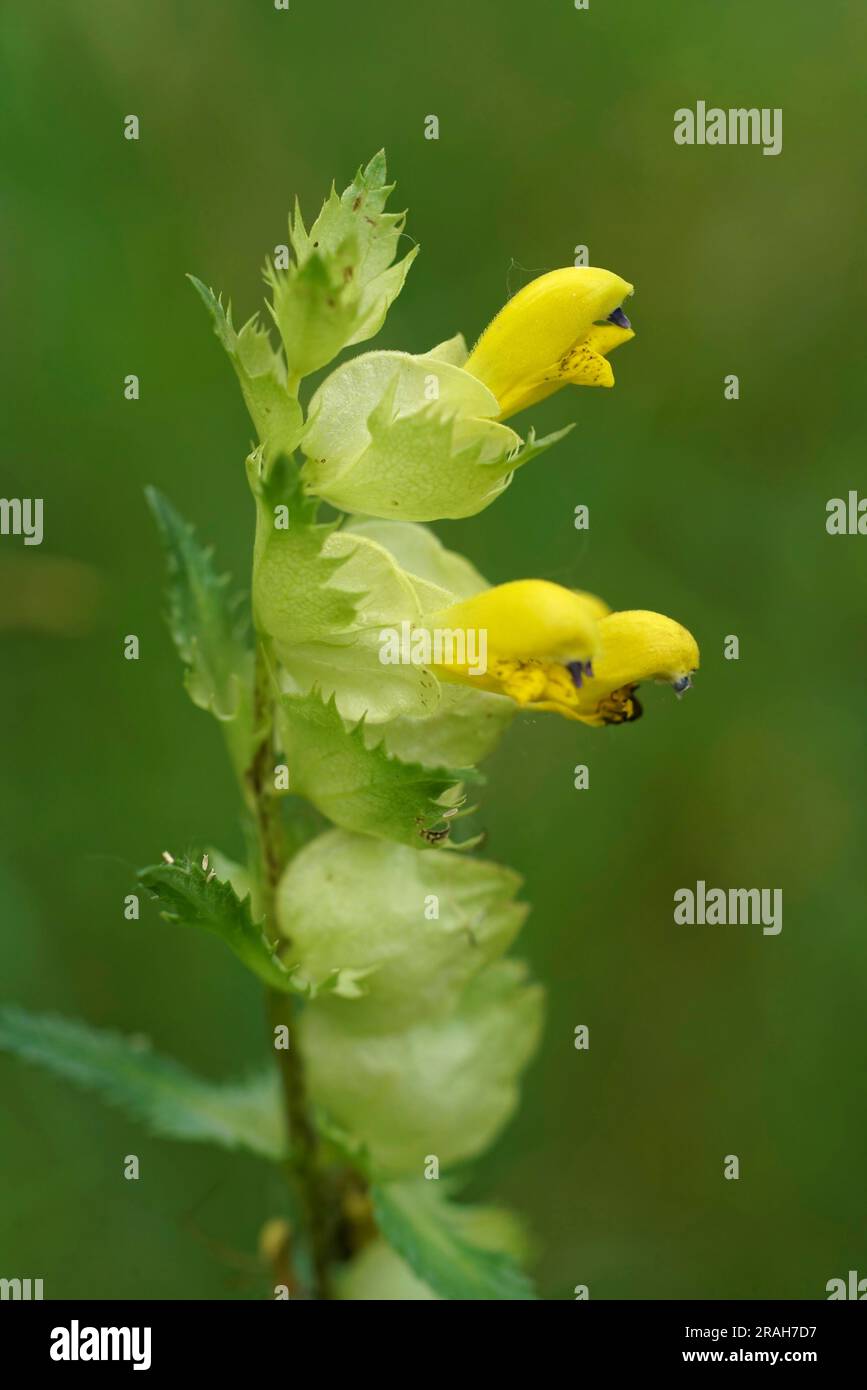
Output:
x=283 y=1010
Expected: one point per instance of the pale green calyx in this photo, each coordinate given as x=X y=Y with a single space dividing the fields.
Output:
x=417 y=926
x=446 y=1086
x=390 y=434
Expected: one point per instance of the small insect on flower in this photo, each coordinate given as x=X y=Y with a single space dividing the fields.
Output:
x=432 y=837
x=167 y=858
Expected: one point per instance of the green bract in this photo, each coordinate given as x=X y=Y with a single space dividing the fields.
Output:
x=356 y=782
x=262 y=375
x=416 y=438
x=342 y=281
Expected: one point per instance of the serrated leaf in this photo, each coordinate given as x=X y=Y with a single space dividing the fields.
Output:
x=261 y=372
x=315 y=308
x=158 y=1091
x=187 y=894
x=361 y=787
x=205 y=626
x=339 y=288
x=447 y=1245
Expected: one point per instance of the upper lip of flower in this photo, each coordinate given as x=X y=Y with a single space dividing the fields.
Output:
x=557 y=329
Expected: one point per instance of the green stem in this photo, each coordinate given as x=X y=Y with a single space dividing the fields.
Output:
x=283 y=1009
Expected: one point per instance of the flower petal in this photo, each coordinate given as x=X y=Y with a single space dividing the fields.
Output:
x=634 y=646
x=529 y=619
x=518 y=355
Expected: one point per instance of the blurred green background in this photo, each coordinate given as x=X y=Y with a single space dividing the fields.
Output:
x=556 y=130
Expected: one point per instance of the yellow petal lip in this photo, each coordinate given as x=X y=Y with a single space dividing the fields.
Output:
x=530 y=620
x=551 y=333
x=634 y=646
x=637 y=645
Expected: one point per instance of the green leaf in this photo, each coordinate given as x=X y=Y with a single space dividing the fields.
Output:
x=448 y=1246
x=361 y=787
x=339 y=288
x=206 y=627
x=167 y=1098
x=187 y=893
x=261 y=372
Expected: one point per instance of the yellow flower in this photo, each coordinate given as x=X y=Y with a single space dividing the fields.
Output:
x=556 y=330
x=518 y=639
x=556 y=649
x=634 y=646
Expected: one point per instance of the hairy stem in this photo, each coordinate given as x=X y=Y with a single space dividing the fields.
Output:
x=283 y=1009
